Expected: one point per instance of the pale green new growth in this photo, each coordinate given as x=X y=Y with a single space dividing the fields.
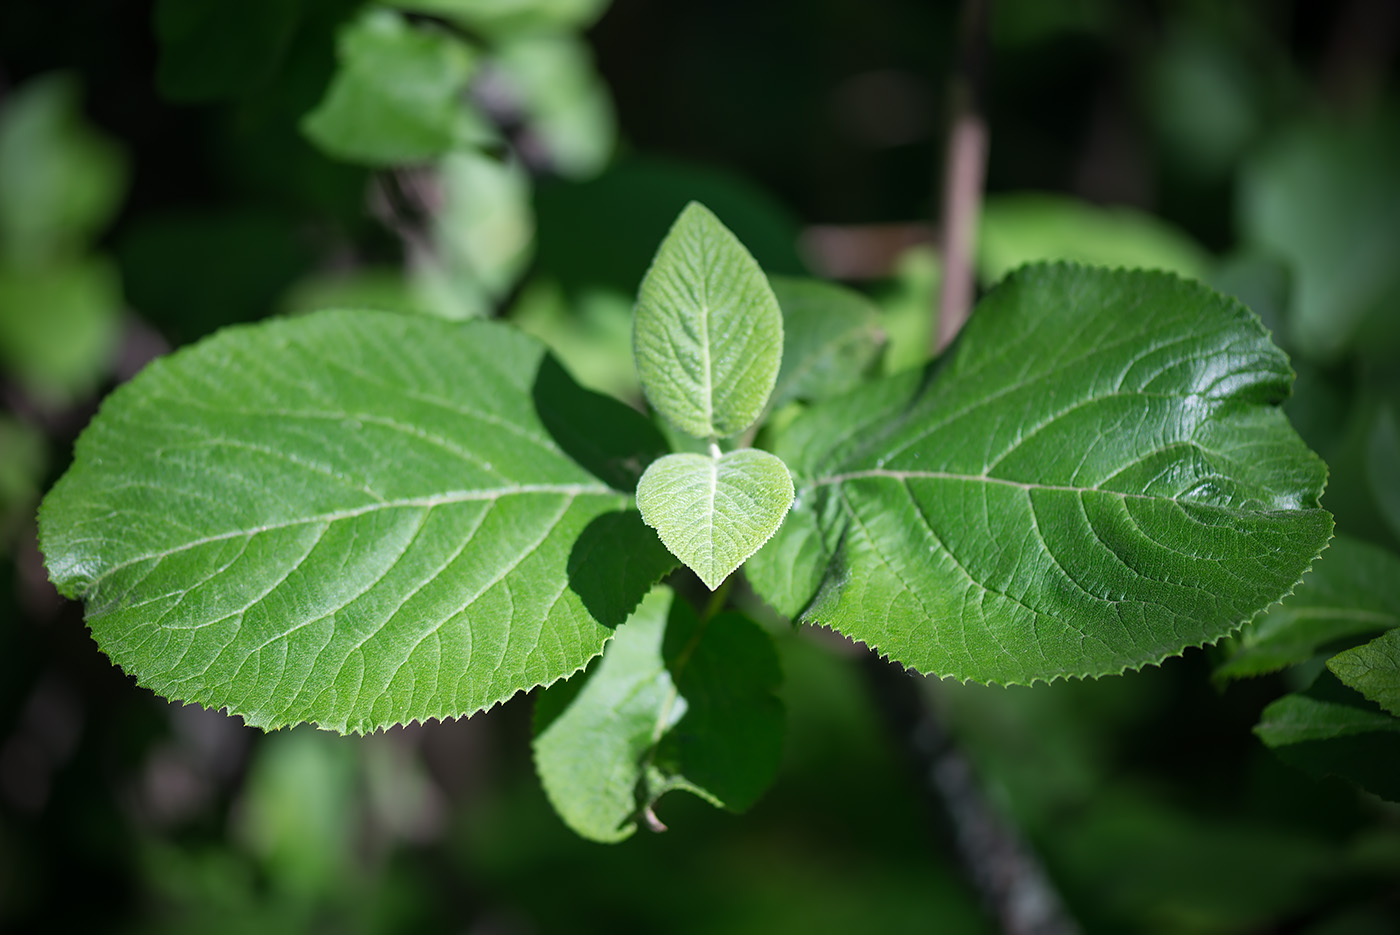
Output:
x=708 y=333
x=714 y=512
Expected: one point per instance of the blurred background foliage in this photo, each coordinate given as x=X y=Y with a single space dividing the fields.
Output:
x=169 y=168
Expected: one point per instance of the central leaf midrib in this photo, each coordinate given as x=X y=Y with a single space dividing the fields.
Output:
x=461 y=496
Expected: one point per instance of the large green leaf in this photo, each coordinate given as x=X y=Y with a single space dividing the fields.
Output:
x=1373 y=669
x=674 y=704
x=1349 y=593
x=1098 y=477
x=351 y=518
x=397 y=96
x=714 y=511
x=708 y=333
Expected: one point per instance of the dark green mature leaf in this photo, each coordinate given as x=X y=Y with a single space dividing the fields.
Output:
x=1373 y=669
x=60 y=181
x=1331 y=730
x=831 y=339
x=707 y=333
x=674 y=704
x=714 y=511
x=1349 y=593
x=397 y=96
x=1383 y=465
x=1098 y=478
x=351 y=518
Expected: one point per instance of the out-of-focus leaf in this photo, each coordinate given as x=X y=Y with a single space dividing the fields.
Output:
x=674 y=704
x=567 y=107
x=1024 y=228
x=212 y=49
x=1383 y=465
x=602 y=234
x=60 y=325
x=708 y=332
x=1327 y=200
x=831 y=339
x=1098 y=477
x=60 y=180
x=398 y=94
x=1204 y=102
x=22 y=456
x=383 y=289
x=592 y=335
x=295 y=801
x=505 y=17
x=1262 y=283
x=1373 y=668
x=1332 y=730
x=906 y=303
x=356 y=519
x=483 y=236
x=1350 y=592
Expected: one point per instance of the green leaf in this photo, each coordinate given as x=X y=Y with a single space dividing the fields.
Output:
x=1373 y=669
x=674 y=704
x=1331 y=730
x=210 y=49
x=61 y=182
x=708 y=332
x=567 y=108
x=505 y=17
x=351 y=518
x=1027 y=227
x=1349 y=592
x=831 y=338
x=60 y=325
x=397 y=96
x=1383 y=465
x=1097 y=478
x=714 y=511
x=1325 y=197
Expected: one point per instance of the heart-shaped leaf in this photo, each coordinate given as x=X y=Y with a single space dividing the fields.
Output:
x=708 y=332
x=714 y=512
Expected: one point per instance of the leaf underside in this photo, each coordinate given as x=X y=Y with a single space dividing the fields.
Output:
x=354 y=519
x=1098 y=477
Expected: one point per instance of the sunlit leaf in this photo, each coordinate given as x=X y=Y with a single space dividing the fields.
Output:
x=715 y=511
x=566 y=105
x=356 y=519
x=708 y=333
x=1098 y=478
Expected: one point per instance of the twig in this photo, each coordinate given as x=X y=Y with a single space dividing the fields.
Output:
x=1002 y=867
x=964 y=171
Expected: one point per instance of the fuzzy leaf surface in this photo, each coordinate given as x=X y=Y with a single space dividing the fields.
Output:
x=708 y=333
x=1373 y=669
x=673 y=704
x=1098 y=477
x=355 y=519
x=1349 y=593
x=714 y=512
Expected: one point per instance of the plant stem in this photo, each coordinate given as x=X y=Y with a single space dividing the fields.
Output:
x=997 y=861
x=964 y=170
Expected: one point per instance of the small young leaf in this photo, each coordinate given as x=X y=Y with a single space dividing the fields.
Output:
x=714 y=512
x=708 y=333
x=674 y=704
x=1097 y=477
x=1373 y=669
x=1349 y=593
x=397 y=96
x=355 y=519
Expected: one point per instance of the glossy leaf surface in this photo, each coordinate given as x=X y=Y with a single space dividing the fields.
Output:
x=673 y=704
x=714 y=512
x=1097 y=478
x=1349 y=593
x=352 y=518
x=708 y=334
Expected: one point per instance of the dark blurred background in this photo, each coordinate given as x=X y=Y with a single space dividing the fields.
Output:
x=1253 y=144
